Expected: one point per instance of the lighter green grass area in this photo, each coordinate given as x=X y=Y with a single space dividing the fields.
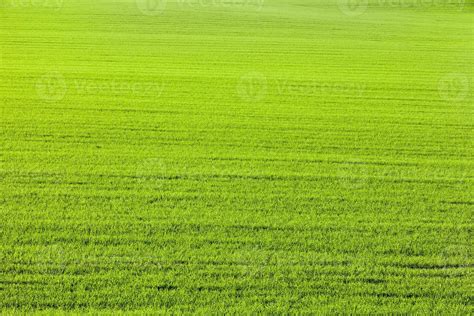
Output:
x=226 y=157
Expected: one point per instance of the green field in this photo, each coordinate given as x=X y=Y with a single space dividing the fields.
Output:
x=240 y=156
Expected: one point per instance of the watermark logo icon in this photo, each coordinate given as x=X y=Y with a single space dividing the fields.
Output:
x=257 y=5
x=453 y=87
x=55 y=5
x=460 y=4
x=252 y=87
x=51 y=86
x=353 y=8
x=151 y=174
x=407 y=4
x=51 y=259
x=151 y=7
x=353 y=175
x=455 y=256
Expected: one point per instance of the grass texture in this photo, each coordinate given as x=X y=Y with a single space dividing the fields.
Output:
x=241 y=156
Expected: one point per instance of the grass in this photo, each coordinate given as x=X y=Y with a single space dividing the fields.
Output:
x=205 y=157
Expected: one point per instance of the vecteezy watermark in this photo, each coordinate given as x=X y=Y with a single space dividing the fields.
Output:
x=225 y=4
x=314 y=87
x=138 y=261
x=255 y=263
x=115 y=87
x=55 y=5
x=151 y=7
x=453 y=87
x=151 y=174
x=252 y=87
x=456 y=4
x=51 y=259
x=353 y=8
x=456 y=256
x=156 y=174
x=51 y=86
x=353 y=175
